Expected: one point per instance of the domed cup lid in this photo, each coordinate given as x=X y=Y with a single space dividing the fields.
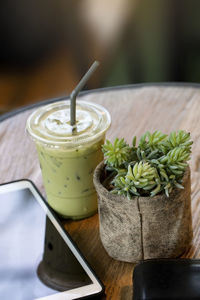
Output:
x=50 y=124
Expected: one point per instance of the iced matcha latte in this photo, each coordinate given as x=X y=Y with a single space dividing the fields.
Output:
x=68 y=155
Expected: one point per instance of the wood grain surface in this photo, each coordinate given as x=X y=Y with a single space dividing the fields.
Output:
x=134 y=110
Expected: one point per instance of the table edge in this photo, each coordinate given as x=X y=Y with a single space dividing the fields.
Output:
x=14 y=112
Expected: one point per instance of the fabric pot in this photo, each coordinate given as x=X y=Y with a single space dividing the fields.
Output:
x=144 y=227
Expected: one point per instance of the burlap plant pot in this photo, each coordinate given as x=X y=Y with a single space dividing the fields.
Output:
x=144 y=227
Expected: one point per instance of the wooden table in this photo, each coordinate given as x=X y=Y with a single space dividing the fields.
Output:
x=134 y=110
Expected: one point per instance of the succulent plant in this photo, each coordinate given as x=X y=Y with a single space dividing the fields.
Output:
x=156 y=165
x=116 y=153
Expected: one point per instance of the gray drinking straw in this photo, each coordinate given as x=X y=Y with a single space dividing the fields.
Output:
x=77 y=89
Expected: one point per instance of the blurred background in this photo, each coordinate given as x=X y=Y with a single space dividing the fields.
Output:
x=46 y=46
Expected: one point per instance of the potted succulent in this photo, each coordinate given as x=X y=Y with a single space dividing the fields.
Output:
x=145 y=196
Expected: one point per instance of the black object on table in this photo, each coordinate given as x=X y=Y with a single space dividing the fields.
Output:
x=159 y=279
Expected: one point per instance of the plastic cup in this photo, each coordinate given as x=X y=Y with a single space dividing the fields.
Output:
x=68 y=155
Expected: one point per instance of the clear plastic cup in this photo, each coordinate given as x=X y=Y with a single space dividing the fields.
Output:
x=68 y=155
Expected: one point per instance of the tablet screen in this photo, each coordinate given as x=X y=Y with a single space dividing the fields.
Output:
x=22 y=233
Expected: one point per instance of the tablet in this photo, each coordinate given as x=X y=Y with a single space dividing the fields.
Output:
x=24 y=216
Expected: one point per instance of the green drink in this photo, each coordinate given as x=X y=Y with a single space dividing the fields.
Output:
x=69 y=154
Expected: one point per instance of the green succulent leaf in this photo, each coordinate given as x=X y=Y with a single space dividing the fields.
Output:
x=156 y=165
x=141 y=176
x=134 y=142
x=117 y=153
x=152 y=141
x=178 y=154
x=124 y=186
x=179 y=139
